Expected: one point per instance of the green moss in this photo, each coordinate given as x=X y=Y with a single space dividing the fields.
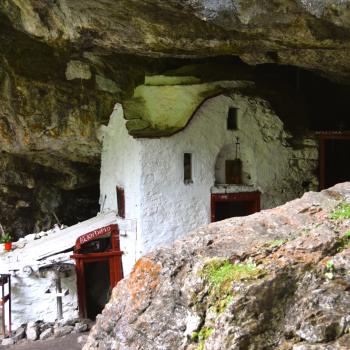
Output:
x=168 y=101
x=202 y=336
x=220 y=275
x=166 y=108
x=276 y=243
x=344 y=242
x=342 y=212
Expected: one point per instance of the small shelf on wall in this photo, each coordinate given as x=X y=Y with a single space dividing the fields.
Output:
x=232 y=188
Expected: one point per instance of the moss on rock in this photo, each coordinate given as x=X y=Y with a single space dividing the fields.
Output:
x=221 y=274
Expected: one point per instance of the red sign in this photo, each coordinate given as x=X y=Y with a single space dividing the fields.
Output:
x=91 y=236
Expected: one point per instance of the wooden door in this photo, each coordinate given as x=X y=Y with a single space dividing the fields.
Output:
x=98 y=263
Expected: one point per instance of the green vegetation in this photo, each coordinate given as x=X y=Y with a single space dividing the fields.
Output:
x=6 y=238
x=276 y=243
x=329 y=269
x=202 y=336
x=344 y=242
x=221 y=274
x=342 y=212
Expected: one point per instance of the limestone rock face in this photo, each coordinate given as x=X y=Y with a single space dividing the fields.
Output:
x=64 y=64
x=278 y=279
x=297 y=32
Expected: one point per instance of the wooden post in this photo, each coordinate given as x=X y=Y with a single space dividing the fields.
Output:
x=59 y=296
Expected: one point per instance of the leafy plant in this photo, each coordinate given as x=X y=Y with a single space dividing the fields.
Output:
x=342 y=212
x=6 y=238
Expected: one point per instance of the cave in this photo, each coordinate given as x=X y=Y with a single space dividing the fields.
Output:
x=79 y=204
x=58 y=91
x=35 y=197
x=334 y=159
x=306 y=102
x=123 y=118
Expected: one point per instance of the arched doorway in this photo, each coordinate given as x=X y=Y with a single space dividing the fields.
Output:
x=235 y=195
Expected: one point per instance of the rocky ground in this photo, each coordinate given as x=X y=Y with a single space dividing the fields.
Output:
x=278 y=279
x=68 y=342
x=49 y=335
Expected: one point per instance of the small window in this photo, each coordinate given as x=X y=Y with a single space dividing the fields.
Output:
x=232 y=119
x=187 y=168
x=121 y=202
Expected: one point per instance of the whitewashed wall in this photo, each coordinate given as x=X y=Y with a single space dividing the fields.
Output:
x=31 y=303
x=120 y=166
x=166 y=207
x=170 y=208
x=29 y=300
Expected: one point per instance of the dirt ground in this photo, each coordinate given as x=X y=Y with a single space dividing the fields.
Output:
x=68 y=342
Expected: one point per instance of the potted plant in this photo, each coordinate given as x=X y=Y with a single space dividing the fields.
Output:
x=7 y=240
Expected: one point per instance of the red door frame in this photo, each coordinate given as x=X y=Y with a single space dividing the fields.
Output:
x=114 y=257
x=323 y=137
x=253 y=197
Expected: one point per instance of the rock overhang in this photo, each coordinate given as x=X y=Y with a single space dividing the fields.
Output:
x=113 y=46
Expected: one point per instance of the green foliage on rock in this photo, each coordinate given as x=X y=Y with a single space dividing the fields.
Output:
x=277 y=243
x=344 y=242
x=220 y=274
x=342 y=212
x=202 y=336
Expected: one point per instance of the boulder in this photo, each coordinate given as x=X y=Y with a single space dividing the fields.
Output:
x=32 y=331
x=277 y=279
x=19 y=334
x=47 y=333
x=62 y=331
x=81 y=327
x=7 y=341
